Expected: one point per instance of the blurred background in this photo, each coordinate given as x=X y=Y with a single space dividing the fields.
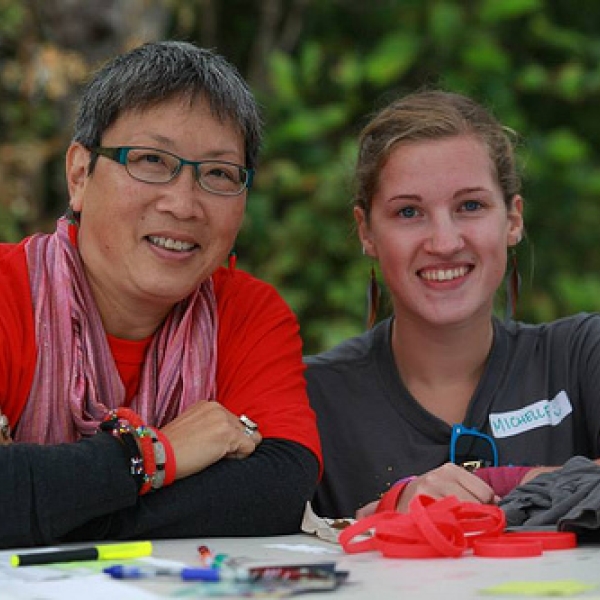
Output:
x=318 y=69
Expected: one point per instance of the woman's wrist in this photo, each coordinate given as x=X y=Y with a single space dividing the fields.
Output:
x=391 y=499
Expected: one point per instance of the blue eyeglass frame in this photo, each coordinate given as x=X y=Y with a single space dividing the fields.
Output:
x=119 y=155
x=459 y=430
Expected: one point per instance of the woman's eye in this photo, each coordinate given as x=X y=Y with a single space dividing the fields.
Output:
x=153 y=158
x=222 y=172
x=219 y=174
x=472 y=205
x=408 y=212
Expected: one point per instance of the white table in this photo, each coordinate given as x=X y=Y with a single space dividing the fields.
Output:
x=372 y=577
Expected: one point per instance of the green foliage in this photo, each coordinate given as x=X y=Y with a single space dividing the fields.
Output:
x=536 y=63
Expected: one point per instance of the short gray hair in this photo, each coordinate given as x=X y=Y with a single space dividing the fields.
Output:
x=159 y=71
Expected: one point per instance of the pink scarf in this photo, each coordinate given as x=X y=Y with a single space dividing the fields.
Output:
x=76 y=381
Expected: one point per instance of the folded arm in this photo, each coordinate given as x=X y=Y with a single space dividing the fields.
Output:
x=264 y=494
x=47 y=491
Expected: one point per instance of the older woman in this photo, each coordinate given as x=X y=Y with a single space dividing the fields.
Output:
x=129 y=357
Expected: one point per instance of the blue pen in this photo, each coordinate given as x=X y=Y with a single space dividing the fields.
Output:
x=186 y=573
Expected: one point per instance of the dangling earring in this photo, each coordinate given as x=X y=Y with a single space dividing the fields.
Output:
x=232 y=260
x=73 y=227
x=513 y=286
x=373 y=297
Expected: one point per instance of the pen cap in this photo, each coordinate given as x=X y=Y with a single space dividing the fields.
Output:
x=127 y=550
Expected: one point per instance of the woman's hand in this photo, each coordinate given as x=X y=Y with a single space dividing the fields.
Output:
x=447 y=480
x=204 y=434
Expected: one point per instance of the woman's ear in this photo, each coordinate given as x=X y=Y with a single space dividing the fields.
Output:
x=364 y=232
x=77 y=163
x=515 y=221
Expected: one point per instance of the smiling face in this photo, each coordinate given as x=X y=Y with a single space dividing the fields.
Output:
x=147 y=246
x=440 y=229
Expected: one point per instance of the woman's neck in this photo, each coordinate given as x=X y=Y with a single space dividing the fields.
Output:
x=442 y=366
x=127 y=321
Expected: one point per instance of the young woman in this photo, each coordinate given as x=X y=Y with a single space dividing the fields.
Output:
x=442 y=384
x=124 y=321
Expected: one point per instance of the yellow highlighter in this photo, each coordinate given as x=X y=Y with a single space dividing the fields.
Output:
x=98 y=552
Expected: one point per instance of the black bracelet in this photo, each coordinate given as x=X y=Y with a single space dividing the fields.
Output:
x=132 y=452
x=136 y=462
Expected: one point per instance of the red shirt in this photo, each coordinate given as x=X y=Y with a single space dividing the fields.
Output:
x=259 y=356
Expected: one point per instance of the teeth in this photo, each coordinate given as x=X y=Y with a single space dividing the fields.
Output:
x=171 y=244
x=444 y=274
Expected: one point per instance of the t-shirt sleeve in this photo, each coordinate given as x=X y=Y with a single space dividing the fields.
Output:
x=17 y=336
x=502 y=479
x=260 y=372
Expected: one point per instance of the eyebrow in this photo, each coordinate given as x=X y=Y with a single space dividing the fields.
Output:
x=168 y=144
x=470 y=191
x=460 y=192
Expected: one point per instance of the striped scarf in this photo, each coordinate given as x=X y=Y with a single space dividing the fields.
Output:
x=76 y=381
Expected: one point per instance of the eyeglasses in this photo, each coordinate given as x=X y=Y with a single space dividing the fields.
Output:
x=159 y=166
x=472 y=449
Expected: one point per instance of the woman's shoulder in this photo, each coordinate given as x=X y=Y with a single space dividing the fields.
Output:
x=354 y=351
x=568 y=331
x=11 y=253
x=13 y=271
x=230 y=283
x=574 y=322
x=244 y=300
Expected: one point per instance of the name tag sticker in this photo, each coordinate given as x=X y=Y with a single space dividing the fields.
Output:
x=545 y=413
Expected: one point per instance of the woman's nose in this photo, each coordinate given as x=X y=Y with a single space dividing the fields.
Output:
x=444 y=237
x=181 y=196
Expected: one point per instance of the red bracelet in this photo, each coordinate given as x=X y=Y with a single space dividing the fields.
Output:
x=431 y=528
x=127 y=415
x=146 y=444
x=389 y=501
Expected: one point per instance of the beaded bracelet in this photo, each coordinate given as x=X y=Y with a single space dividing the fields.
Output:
x=146 y=444
x=122 y=420
x=170 y=465
x=160 y=458
x=136 y=461
x=126 y=438
x=165 y=459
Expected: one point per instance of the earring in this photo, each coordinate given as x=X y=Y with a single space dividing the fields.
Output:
x=73 y=226
x=373 y=297
x=513 y=286
x=232 y=260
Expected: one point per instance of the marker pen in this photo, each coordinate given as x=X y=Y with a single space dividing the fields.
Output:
x=185 y=574
x=99 y=552
x=272 y=573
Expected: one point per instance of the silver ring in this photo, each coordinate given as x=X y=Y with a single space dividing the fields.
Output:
x=4 y=428
x=249 y=425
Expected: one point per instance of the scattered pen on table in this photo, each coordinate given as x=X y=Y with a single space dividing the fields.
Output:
x=98 y=552
x=206 y=556
x=223 y=560
x=314 y=571
x=185 y=573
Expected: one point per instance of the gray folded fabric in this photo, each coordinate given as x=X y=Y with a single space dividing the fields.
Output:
x=568 y=498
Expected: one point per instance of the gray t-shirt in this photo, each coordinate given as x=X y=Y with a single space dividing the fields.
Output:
x=539 y=397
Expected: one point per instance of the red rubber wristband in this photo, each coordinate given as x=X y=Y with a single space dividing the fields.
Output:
x=550 y=540
x=389 y=501
x=501 y=548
